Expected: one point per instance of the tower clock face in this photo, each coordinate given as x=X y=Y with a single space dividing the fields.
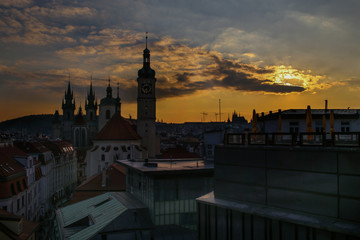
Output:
x=146 y=88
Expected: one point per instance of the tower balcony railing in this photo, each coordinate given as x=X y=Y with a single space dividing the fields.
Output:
x=337 y=139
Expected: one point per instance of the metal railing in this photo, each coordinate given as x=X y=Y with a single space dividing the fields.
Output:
x=339 y=139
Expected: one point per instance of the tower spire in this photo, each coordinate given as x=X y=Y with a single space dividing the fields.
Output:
x=118 y=90
x=109 y=90
x=146 y=39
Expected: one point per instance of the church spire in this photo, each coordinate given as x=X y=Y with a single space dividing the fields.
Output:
x=109 y=90
x=90 y=102
x=146 y=39
x=118 y=103
x=146 y=71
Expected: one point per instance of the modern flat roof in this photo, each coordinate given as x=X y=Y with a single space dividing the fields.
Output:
x=169 y=166
x=328 y=223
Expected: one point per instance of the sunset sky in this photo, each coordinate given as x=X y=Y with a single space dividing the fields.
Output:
x=251 y=54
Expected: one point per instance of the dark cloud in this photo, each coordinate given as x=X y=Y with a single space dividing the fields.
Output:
x=225 y=74
x=183 y=77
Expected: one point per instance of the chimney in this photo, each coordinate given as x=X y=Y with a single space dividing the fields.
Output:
x=326 y=105
x=279 y=110
x=103 y=178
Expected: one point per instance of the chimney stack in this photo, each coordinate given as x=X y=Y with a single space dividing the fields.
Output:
x=326 y=105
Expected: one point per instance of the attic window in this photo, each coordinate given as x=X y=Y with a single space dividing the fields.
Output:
x=103 y=202
x=83 y=222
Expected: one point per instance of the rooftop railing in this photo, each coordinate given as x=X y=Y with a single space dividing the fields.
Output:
x=338 y=139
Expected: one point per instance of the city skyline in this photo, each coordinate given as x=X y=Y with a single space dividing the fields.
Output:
x=251 y=55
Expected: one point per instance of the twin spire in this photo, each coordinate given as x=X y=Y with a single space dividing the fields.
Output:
x=90 y=102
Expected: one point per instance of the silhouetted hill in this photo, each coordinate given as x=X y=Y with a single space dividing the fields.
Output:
x=31 y=124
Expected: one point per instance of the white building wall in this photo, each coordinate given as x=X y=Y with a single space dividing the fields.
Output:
x=99 y=159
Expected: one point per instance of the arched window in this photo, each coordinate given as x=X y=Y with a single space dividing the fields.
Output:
x=91 y=116
x=68 y=116
x=108 y=114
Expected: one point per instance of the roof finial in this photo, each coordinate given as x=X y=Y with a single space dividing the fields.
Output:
x=146 y=38
x=109 y=81
x=118 y=89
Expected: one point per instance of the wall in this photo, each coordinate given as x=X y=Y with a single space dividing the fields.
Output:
x=316 y=180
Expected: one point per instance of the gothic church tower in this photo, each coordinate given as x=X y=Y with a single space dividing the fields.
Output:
x=91 y=107
x=68 y=107
x=146 y=104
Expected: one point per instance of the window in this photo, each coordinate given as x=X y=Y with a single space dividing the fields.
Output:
x=319 y=129
x=294 y=129
x=4 y=208
x=23 y=201
x=103 y=157
x=18 y=186
x=345 y=126
x=24 y=183
x=18 y=205
x=108 y=114
x=68 y=116
x=91 y=116
x=12 y=189
x=345 y=129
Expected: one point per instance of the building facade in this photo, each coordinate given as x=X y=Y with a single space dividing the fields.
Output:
x=282 y=192
x=20 y=183
x=294 y=120
x=117 y=140
x=169 y=189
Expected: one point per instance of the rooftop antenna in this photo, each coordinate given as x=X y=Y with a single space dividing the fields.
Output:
x=216 y=114
x=146 y=38
x=219 y=110
x=203 y=116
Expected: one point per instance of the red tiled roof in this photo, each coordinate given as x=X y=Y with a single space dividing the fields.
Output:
x=8 y=165
x=92 y=187
x=117 y=128
x=31 y=147
x=116 y=180
x=59 y=147
x=28 y=229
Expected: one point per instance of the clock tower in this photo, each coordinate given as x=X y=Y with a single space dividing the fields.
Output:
x=146 y=104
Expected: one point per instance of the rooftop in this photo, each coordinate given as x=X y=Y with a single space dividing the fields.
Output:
x=28 y=227
x=87 y=218
x=316 y=114
x=8 y=165
x=118 y=128
x=169 y=166
x=116 y=181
